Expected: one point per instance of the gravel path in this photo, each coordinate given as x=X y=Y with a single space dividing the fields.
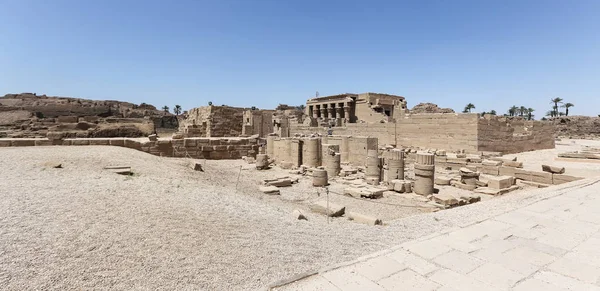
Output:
x=168 y=227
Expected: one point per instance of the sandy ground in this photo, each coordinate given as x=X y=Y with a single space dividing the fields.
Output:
x=168 y=227
x=533 y=160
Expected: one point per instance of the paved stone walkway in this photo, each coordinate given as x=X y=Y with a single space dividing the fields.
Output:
x=553 y=244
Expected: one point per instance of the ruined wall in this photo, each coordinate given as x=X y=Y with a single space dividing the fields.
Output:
x=197 y=148
x=213 y=121
x=258 y=122
x=577 y=126
x=440 y=131
x=499 y=134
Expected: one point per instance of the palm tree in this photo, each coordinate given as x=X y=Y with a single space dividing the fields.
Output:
x=567 y=106
x=177 y=109
x=165 y=108
x=513 y=110
x=493 y=112
x=550 y=113
x=468 y=108
x=556 y=101
x=522 y=111
x=530 y=113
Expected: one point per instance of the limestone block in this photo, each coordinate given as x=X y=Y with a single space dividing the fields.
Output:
x=271 y=190
x=490 y=170
x=445 y=199
x=99 y=141
x=474 y=158
x=286 y=165
x=506 y=171
x=402 y=186
x=280 y=183
x=501 y=182
x=23 y=142
x=297 y=215
x=532 y=184
x=334 y=210
x=53 y=135
x=117 y=142
x=364 y=219
x=491 y=163
x=558 y=179
x=442 y=180
x=153 y=137
x=503 y=160
x=495 y=192
x=538 y=177
x=553 y=169
x=460 y=185
x=121 y=170
x=470 y=197
x=177 y=136
x=197 y=166
x=5 y=143
x=513 y=164
x=43 y=142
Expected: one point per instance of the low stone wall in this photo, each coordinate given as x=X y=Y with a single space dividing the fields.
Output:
x=197 y=148
x=498 y=134
x=353 y=150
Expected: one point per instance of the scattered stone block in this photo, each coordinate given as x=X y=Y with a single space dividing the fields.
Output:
x=503 y=159
x=364 y=219
x=533 y=184
x=460 y=185
x=445 y=199
x=507 y=171
x=369 y=192
x=538 y=177
x=286 y=165
x=558 y=179
x=500 y=182
x=177 y=136
x=553 y=169
x=271 y=190
x=402 y=186
x=442 y=180
x=280 y=183
x=334 y=210
x=153 y=137
x=297 y=215
x=490 y=170
x=55 y=135
x=513 y=164
x=496 y=192
x=470 y=198
x=491 y=163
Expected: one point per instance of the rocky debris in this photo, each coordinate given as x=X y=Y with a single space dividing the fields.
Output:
x=429 y=108
x=153 y=137
x=442 y=180
x=364 y=219
x=121 y=170
x=197 y=166
x=553 y=169
x=577 y=126
x=297 y=215
x=271 y=190
x=500 y=182
x=333 y=210
x=469 y=198
x=496 y=192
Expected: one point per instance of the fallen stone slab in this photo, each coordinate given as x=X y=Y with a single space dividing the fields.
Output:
x=297 y=215
x=372 y=193
x=553 y=169
x=334 y=210
x=500 y=182
x=153 y=137
x=496 y=192
x=533 y=176
x=121 y=170
x=442 y=180
x=470 y=198
x=53 y=164
x=558 y=179
x=580 y=156
x=507 y=171
x=491 y=163
x=445 y=199
x=513 y=164
x=364 y=219
x=271 y=190
x=460 y=185
x=503 y=159
x=402 y=186
x=533 y=184
x=280 y=183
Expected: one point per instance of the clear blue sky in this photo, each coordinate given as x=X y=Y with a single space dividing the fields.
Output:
x=263 y=52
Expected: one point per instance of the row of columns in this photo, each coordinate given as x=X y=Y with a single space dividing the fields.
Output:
x=330 y=110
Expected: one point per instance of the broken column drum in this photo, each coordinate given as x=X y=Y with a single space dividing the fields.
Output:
x=262 y=162
x=395 y=165
x=424 y=173
x=373 y=171
x=311 y=153
x=333 y=165
x=319 y=178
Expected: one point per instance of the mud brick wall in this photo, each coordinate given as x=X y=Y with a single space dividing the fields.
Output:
x=498 y=134
x=197 y=148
